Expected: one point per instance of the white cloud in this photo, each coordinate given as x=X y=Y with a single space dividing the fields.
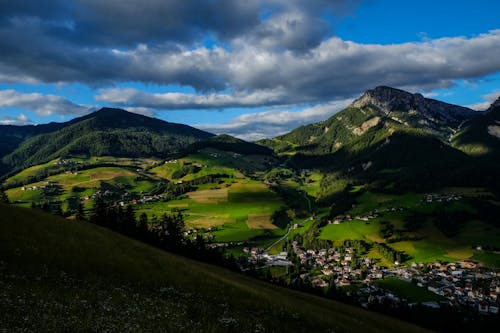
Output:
x=142 y=110
x=43 y=105
x=255 y=126
x=175 y=100
x=488 y=99
x=333 y=69
x=21 y=119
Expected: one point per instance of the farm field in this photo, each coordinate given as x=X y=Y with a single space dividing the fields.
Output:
x=242 y=211
x=240 y=208
x=425 y=244
x=408 y=290
x=432 y=246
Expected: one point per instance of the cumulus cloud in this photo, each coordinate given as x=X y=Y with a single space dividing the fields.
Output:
x=333 y=69
x=43 y=105
x=130 y=98
x=21 y=119
x=233 y=53
x=488 y=99
x=259 y=125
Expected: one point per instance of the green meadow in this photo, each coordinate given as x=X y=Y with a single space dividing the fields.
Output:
x=408 y=290
x=240 y=207
x=231 y=209
x=425 y=244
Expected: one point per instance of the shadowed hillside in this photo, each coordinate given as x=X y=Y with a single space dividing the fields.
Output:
x=59 y=275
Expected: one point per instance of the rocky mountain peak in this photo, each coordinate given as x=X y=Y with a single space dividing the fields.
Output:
x=387 y=100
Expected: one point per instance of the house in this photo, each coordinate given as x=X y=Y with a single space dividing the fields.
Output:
x=433 y=289
x=344 y=282
x=432 y=304
x=319 y=283
x=483 y=308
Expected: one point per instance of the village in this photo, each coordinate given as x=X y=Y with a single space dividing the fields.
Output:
x=460 y=284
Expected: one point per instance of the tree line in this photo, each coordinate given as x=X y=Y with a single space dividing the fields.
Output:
x=165 y=232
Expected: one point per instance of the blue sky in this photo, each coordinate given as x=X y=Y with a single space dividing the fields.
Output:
x=252 y=69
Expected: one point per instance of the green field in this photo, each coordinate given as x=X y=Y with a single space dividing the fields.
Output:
x=408 y=290
x=227 y=207
x=356 y=229
x=240 y=207
x=59 y=275
x=430 y=243
x=433 y=245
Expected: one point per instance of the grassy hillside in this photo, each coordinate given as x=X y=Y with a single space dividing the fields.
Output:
x=240 y=206
x=107 y=132
x=59 y=275
x=481 y=136
x=395 y=141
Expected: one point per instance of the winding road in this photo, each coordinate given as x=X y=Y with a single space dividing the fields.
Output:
x=290 y=227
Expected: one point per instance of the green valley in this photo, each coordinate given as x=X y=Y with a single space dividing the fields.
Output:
x=370 y=206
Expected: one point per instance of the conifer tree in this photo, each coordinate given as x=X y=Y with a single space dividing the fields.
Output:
x=3 y=197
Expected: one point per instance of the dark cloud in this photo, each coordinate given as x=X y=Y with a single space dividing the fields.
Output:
x=128 y=22
x=266 y=52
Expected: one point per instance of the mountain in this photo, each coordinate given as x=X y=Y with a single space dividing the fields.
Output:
x=481 y=136
x=382 y=108
x=388 y=137
x=11 y=136
x=60 y=275
x=108 y=131
x=229 y=143
x=415 y=110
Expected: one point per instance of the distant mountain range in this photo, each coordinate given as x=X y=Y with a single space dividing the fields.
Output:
x=387 y=136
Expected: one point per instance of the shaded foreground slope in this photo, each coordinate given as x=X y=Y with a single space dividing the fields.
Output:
x=58 y=275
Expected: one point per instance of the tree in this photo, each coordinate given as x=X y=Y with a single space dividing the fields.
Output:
x=80 y=214
x=99 y=212
x=129 y=220
x=3 y=197
x=142 y=227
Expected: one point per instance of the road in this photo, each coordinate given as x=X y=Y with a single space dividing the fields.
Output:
x=291 y=225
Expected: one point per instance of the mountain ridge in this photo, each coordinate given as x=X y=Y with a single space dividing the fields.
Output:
x=388 y=130
x=107 y=131
x=388 y=99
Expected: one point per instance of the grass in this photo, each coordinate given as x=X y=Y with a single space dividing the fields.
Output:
x=260 y=221
x=489 y=259
x=408 y=290
x=430 y=243
x=209 y=196
x=370 y=201
x=242 y=211
x=433 y=245
x=356 y=230
x=59 y=275
x=25 y=174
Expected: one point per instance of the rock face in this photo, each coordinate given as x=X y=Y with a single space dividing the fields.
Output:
x=388 y=99
x=366 y=126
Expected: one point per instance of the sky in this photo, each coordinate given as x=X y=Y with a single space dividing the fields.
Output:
x=252 y=68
